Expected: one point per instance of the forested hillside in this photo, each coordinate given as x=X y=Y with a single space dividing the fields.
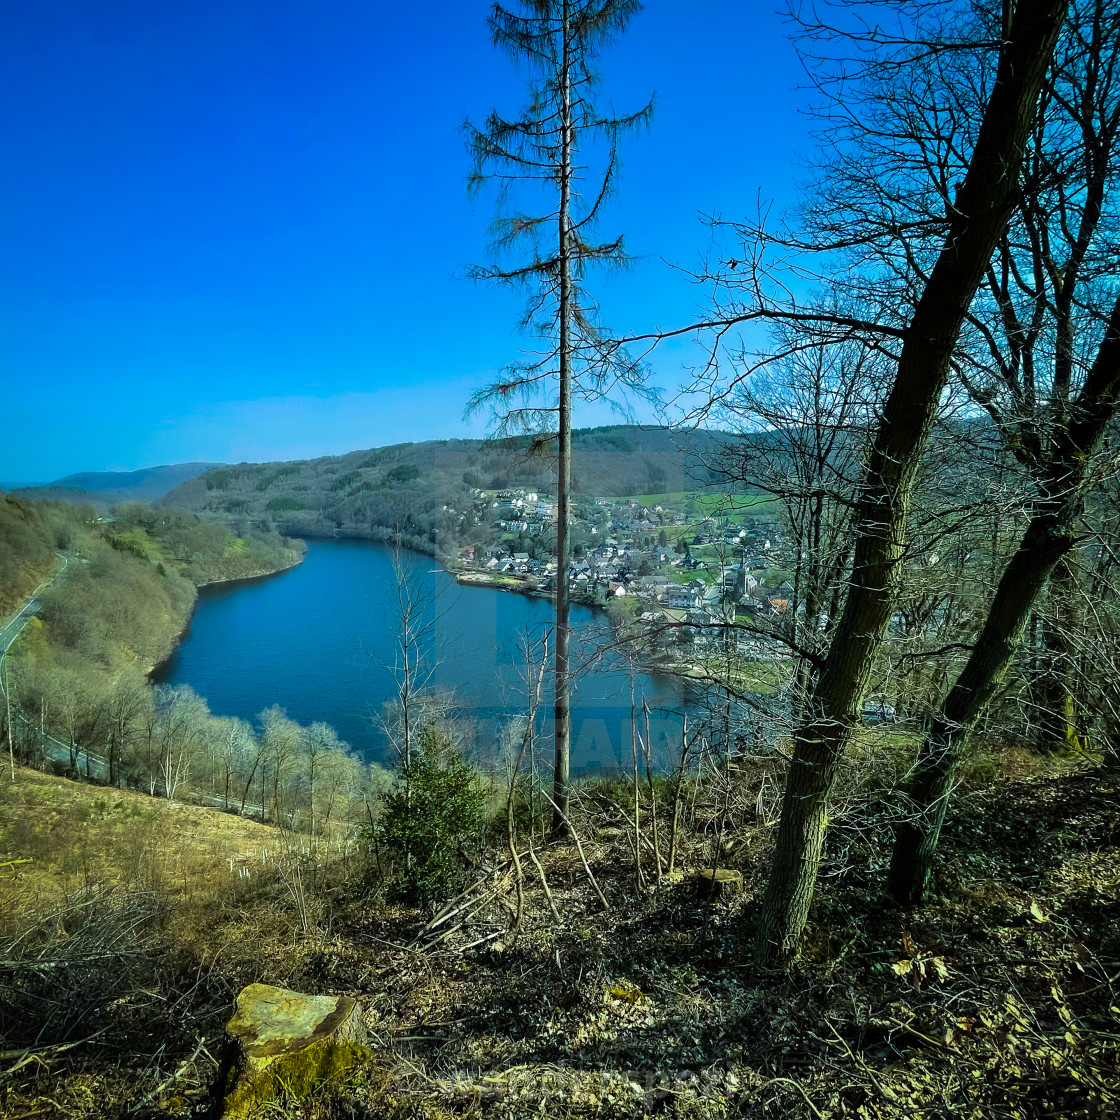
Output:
x=26 y=551
x=127 y=592
x=420 y=491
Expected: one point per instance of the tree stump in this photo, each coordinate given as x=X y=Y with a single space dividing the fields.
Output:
x=289 y=1041
x=718 y=882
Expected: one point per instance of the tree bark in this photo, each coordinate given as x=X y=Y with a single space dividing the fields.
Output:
x=1058 y=725
x=979 y=217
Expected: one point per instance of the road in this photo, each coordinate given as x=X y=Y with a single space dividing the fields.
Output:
x=13 y=626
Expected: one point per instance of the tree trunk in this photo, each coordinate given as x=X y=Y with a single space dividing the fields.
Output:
x=980 y=216
x=1047 y=540
x=1057 y=717
x=563 y=705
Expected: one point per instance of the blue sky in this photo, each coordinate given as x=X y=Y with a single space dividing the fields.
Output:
x=239 y=230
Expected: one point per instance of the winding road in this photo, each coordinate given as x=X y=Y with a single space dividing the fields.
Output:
x=14 y=624
x=92 y=765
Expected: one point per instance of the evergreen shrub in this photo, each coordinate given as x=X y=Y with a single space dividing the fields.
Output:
x=432 y=820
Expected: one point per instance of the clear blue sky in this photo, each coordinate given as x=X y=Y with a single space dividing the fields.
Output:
x=238 y=230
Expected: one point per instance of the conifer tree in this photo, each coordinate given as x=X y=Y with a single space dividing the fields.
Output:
x=561 y=154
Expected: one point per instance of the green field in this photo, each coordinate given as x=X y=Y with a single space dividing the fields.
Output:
x=710 y=502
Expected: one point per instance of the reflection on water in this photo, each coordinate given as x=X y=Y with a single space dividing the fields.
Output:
x=320 y=641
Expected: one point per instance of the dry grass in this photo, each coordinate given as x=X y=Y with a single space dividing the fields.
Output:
x=59 y=837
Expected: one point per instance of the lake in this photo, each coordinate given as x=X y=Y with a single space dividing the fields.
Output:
x=320 y=641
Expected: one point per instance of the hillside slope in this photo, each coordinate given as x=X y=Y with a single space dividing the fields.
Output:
x=422 y=491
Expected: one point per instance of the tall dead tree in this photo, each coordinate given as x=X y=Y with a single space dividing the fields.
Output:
x=561 y=143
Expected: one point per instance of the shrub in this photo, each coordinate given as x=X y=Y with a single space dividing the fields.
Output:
x=431 y=820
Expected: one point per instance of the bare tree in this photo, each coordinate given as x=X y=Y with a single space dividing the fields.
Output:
x=179 y=716
x=552 y=143
x=414 y=621
x=281 y=740
x=803 y=425
x=928 y=263
x=1045 y=366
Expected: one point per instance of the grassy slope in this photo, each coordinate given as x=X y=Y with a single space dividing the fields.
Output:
x=59 y=837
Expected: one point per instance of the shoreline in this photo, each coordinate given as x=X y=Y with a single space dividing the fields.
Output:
x=693 y=671
x=466 y=577
x=253 y=578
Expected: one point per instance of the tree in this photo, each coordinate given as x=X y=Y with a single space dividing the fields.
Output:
x=974 y=225
x=319 y=743
x=557 y=41
x=433 y=819
x=125 y=711
x=178 y=718
x=234 y=744
x=804 y=423
x=923 y=268
x=1046 y=369
x=414 y=620
x=281 y=740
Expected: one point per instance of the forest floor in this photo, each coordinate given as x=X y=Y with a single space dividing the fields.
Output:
x=999 y=998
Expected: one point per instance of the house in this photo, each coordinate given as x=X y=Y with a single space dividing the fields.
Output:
x=712 y=596
x=680 y=598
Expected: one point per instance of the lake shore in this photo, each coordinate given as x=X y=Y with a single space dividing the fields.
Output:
x=519 y=585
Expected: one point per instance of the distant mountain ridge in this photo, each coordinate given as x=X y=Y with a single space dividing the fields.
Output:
x=145 y=485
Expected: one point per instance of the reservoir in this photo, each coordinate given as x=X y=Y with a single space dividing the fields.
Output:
x=321 y=640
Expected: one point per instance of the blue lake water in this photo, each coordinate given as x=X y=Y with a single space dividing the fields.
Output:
x=319 y=641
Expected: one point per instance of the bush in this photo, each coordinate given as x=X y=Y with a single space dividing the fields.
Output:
x=431 y=820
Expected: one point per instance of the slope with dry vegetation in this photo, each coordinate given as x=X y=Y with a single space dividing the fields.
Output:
x=130 y=930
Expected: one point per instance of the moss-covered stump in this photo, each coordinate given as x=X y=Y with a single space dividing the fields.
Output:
x=718 y=882
x=290 y=1043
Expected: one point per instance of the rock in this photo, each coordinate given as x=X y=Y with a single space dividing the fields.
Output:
x=289 y=1042
x=718 y=882
x=624 y=991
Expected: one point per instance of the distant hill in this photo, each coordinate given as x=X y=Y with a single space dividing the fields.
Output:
x=423 y=491
x=144 y=485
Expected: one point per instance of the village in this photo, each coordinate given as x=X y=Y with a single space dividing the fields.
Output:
x=680 y=566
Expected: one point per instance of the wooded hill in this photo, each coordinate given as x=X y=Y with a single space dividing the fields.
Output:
x=132 y=579
x=77 y=673
x=404 y=489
